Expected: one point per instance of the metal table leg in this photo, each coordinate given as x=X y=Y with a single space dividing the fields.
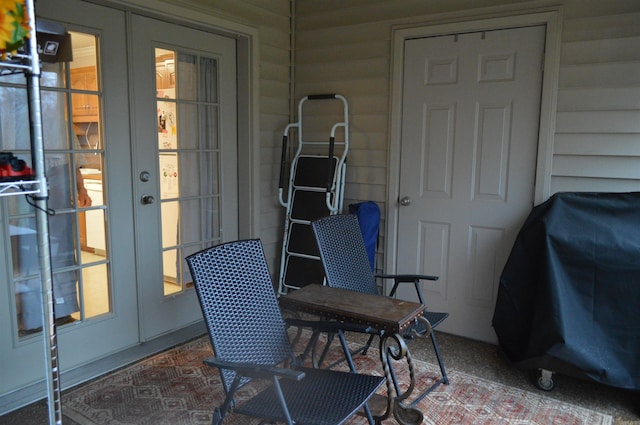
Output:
x=392 y=346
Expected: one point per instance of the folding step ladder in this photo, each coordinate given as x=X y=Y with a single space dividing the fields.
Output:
x=315 y=190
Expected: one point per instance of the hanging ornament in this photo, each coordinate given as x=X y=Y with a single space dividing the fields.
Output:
x=14 y=26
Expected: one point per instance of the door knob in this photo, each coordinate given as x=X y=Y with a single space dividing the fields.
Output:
x=147 y=199
x=405 y=202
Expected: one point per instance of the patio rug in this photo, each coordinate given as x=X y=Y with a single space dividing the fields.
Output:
x=175 y=388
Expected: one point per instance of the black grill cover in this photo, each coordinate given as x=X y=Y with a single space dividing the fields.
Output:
x=569 y=295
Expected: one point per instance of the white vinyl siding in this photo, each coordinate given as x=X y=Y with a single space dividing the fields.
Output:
x=597 y=145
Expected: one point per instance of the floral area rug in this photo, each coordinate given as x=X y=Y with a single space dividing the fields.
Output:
x=175 y=388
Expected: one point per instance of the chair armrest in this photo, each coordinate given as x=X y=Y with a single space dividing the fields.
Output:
x=408 y=278
x=330 y=326
x=254 y=370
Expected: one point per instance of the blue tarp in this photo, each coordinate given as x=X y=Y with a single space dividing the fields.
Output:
x=368 y=214
x=569 y=295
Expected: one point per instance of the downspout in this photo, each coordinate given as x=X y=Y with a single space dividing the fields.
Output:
x=292 y=57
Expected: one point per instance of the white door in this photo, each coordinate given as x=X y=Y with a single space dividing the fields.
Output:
x=470 y=118
x=86 y=137
x=185 y=162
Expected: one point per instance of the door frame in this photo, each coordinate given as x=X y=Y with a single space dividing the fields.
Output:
x=158 y=311
x=552 y=20
x=248 y=101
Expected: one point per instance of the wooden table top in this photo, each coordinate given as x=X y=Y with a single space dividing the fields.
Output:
x=380 y=312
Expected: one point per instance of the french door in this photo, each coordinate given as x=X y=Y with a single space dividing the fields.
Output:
x=87 y=152
x=145 y=168
x=185 y=173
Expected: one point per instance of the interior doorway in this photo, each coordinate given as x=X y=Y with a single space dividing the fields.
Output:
x=460 y=171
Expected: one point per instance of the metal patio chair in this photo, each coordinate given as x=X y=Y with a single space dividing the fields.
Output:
x=251 y=345
x=346 y=265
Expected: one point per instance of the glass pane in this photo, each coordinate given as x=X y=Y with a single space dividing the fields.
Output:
x=169 y=177
x=26 y=272
x=95 y=289
x=199 y=173
x=84 y=78
x=200 y=220
x=58 y=169
x=17 y=205
x=188 y=130
x=165 y=73
x=190 y=173
x=211 y=213
x=187 y=77
x=24 y=248
x=91 y=180
x=84 y=50
x=65 y=289
x=14 y=128
x=170 y=270
x=170 y=236
x=187 y=279
x=167 y=125
x=61 y=231
x=51 y=75
x=209 y=127
x=55 y=129
x=210 y=177
x=28 y=306
x=85 y=107
x=191 y=220
x=208 y=80
x=95 y=238
x=89 y=166
x=87 y=138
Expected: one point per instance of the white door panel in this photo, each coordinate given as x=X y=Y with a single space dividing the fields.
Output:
x=468 y=159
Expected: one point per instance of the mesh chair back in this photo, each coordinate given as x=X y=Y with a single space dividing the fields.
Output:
x=344 y=254
x=239 y=305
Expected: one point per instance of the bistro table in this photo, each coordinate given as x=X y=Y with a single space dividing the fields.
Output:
x=388 y=317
